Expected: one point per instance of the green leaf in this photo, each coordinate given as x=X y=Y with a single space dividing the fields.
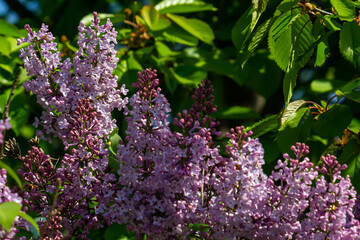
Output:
x=334 y=121
x=260 y=5
x=257 y=72
x=345 y=9
x=19 y=112
x=289 y=83
x=290 y=37
x=183 y=6
x=264 y=126
x=179 y=35
x=12 y=173
x=30 y=220
x=114 y=18
x=330 y=22
x=219 y=66
x=256 y=38
x=237 y=112
x=150 y=15
x=8 y=212
x=352 y=85
x=161 y=24
x=118 y=232
x=188 y=74
x=290 y=109
x=132 y=63
x=295 y=129
x=242 y=29
x=8 y=29
x=354 y=95
x=350 y=42
x=322 y=52
x=5 y=47
x=164 y=51
x=196 y=27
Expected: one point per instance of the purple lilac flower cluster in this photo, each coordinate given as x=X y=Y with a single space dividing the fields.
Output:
x=6 y=195
x=59 y=85
x=167 y=180
x=4 y=125
x=77 y=98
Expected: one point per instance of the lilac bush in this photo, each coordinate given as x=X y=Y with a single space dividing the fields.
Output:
x=170 y=184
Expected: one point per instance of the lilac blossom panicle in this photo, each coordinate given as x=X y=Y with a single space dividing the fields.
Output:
x=59 y=91
x=77 y=109
x=161 y=172
x=6 y=195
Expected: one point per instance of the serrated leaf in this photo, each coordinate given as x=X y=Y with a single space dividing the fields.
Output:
x=244 y=27
x=264 y=126
x=333 y=122
x=345 y=9
x=179 y=35
x=290 y=109
x=237 y=112
x=295 y=129
x=256 y=38
x=290 y=37
x=150 y=15
x=289 y=83
x=8 y=29
x=12 y=173
x=8 y=212
x=183 y=6
x=196 y=27
x=260 y=5
x=350 y=42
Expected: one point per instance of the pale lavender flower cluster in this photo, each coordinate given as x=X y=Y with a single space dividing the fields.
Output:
x=59 y=89
x=6 y=195
x=4 y=125
x=294 y=202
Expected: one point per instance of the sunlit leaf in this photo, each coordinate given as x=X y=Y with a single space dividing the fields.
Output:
x=183 y=6
x=350 y=42
x=8 y=213
x=345 y=9
x=196 y=27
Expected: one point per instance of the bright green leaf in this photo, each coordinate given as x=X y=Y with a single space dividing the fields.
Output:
x=114 y=18
x=350 y=42
x=12 y=173
x=8 y=212
x=8 y=29
x=334 y=121
x=345 y=9
x=290 y=109
x=196 y=27
x=330 y=22
x=118 y=232
x=161 y=24
x=322 y=52
x=295 y=129
x=150 y=15
x=183 y=6
x=260 y=5
x=179 y=35
x=264 y=126
x=241 y=31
